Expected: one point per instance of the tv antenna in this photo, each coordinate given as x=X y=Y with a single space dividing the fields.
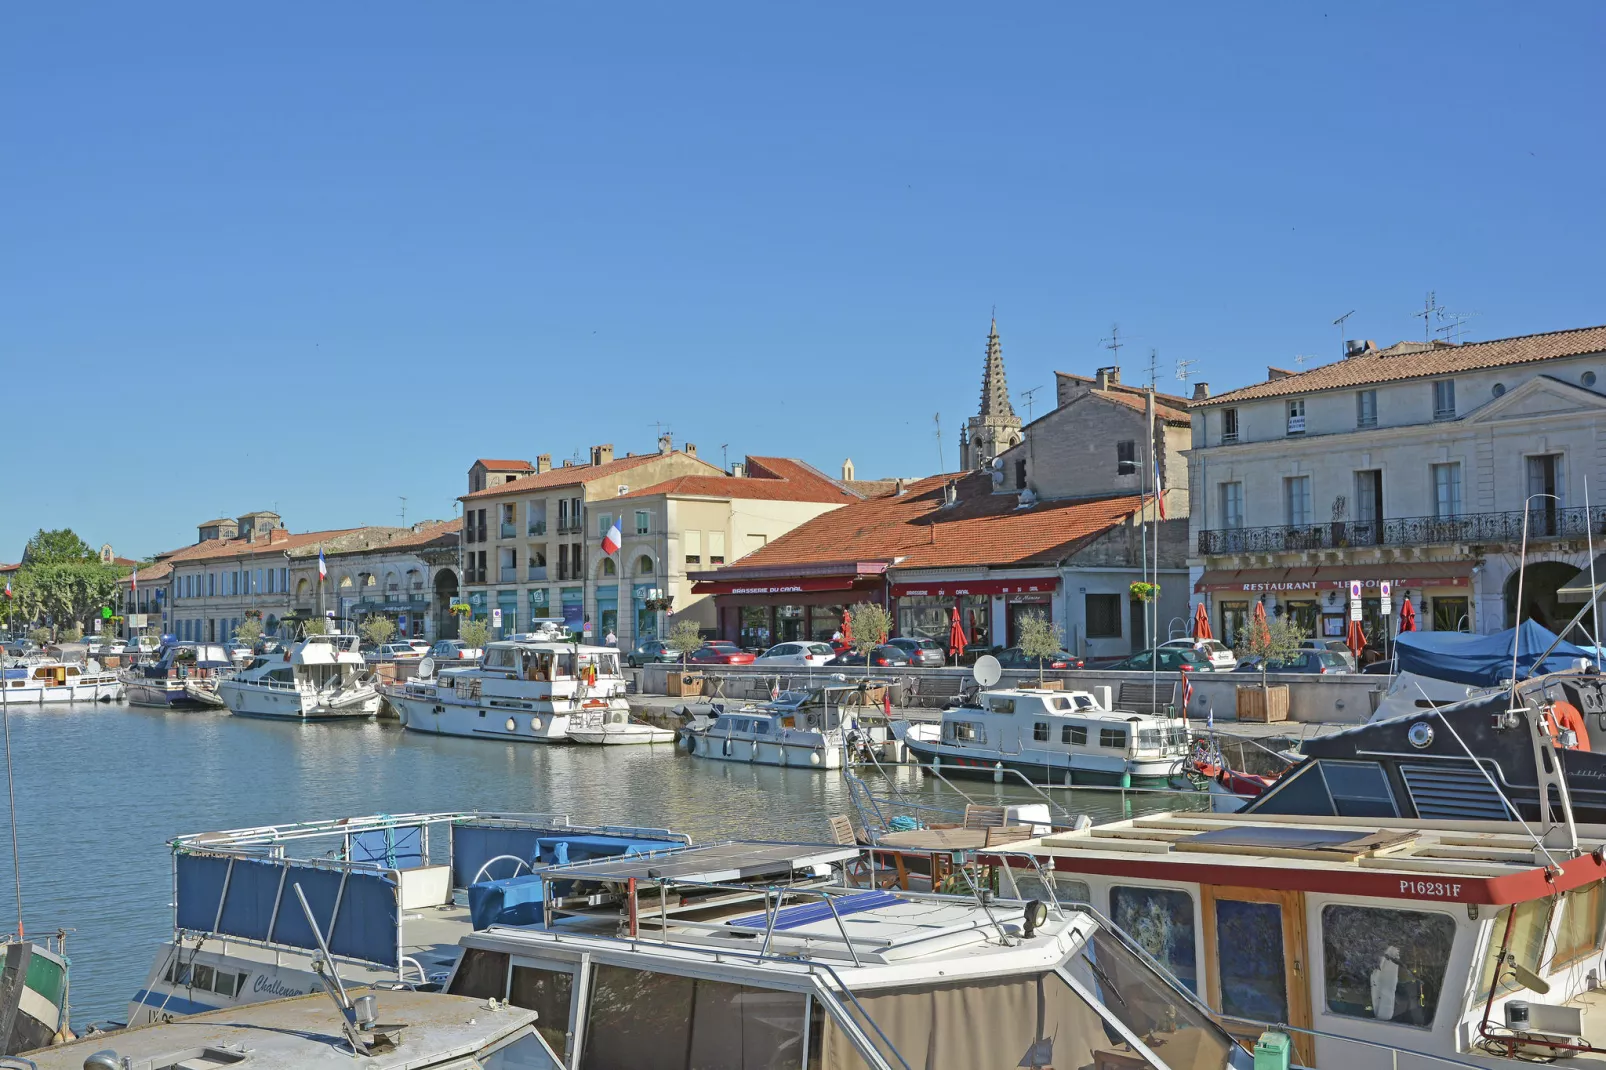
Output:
x=1154 y=357
x=1301 y=358
x=660 y=428
x=1430 y=308
x=1027 y=395
x=1456 y=327
x=1339 y=323
x=1185 y=369
x=1113 y=343
x=937 y=419
x=724 y=457
x=403 y=498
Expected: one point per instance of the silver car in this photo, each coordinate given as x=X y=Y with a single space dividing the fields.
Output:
x=1220 y=656
x=796 y=655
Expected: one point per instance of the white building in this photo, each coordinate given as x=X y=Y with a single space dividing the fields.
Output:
x=1410 y=464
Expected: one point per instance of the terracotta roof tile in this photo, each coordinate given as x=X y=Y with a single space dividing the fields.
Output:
x=574 y=475
x=1415 y=361
x=504 y=466
x=981 y=528
x=773 y=479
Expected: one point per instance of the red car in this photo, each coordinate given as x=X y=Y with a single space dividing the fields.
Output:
x=720 y=652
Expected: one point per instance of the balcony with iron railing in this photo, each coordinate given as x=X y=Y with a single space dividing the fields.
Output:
x=1496 y=528
x=568 y=527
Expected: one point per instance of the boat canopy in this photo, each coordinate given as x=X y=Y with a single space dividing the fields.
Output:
x=1483 y=660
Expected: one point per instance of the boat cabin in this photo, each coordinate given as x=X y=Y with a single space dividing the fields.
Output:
x=182 y=660
x=1455 y=938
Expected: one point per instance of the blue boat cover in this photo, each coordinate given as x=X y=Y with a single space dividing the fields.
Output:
x=809 y=913
x=1482 y=660
x=399 y=847
x=560 y=850
x=475 y=845
x=513 y=901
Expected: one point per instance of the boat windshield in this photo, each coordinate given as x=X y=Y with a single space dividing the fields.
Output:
x=1040 y=1020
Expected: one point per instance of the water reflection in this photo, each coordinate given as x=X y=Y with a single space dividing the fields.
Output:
x=100 y=788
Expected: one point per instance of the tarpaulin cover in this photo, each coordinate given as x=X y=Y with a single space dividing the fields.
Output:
x=563 y=849
x=475 y=845
x=513 y=901
x=1482 y=660
x=401 y=847
x=809 y=913
x=365 y=928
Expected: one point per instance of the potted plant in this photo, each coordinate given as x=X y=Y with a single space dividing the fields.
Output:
x=1144 y=592
x=1276 y=641
x=1040 y=640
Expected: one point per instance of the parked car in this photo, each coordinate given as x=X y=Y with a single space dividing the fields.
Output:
x=651 y=651
x=268 y=646
x=1336 y=646
x=720 y=652
x=399 y=652
x=1311 y=661
x=1385 y=667
x=884 y=656
x=1164 y=659
x=799 y=655
x=454 y=650
x=923 y=652
x=1013 y=657
x=19 y=648
x=420 y=645
x=1220 y=656
x=238 y=652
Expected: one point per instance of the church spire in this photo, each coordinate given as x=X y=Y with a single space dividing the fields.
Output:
x=994 y=388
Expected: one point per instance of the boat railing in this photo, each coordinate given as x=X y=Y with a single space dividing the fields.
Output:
x=1393 y=1050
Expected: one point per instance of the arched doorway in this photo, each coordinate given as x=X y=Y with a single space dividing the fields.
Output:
x=1539 y=601
x=445 y=595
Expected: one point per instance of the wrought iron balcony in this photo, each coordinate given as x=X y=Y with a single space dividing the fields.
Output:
x=1407 y=531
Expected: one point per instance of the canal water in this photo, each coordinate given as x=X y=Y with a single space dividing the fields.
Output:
x=100 y=788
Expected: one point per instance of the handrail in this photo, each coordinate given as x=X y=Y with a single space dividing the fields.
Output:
x=1393 y=1049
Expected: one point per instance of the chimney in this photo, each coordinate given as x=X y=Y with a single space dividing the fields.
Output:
x=1274 y=374
x=567 y=462
x=602 y=454
x=1105 y=378
x=543 y=463
x=1201 y=391
x=739 y=470
x=690 y=448
x=899 y=486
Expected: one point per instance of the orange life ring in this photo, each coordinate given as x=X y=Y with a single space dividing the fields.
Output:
x=1564 y=715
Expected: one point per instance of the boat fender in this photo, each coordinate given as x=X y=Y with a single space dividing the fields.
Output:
x=998 y=772
x=814 y=757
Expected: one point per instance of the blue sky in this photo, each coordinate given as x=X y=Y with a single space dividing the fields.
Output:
x=316 y=257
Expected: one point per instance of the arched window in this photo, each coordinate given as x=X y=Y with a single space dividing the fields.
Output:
x=609 y=568
x=301 y=590
x=345 y=581
x=644 y=565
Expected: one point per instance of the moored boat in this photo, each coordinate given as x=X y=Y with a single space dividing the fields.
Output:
x=319 y=678
x=614 y=727
x=821 y=726
x=175 y=677
x=47 y=680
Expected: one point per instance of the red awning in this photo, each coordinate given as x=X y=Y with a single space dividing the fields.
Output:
x=1336 y=577
x=784 y=586
x=954 y=588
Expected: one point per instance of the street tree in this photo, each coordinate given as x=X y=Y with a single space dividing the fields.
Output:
x=685 y=639
x=1040 y=639
x=476 y=633
x=1277 y=640
x=248 y=631
x=377 y=629
x=870 y=625
x=315 y=626
x=56 y=547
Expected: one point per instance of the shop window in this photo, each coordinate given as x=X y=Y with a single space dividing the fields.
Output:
x=1160 y=921
x=1385 y=965
x=1234 y=618
x=1073 y=735
x=1527 y=944
x=1583 y=921
x=1451 y=615
x=640 y=1018
x=1103 y=616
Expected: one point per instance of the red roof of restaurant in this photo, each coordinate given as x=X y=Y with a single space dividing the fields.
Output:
x=774 y=479
x=980 y=528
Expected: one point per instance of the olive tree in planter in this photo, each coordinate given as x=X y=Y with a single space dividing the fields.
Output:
x=685 y=639
x=870 y=625
x=1040 y=639
x=249 y=631
x=1276 y=640
x=475 y=633
x=378 y=629
x=315 y=626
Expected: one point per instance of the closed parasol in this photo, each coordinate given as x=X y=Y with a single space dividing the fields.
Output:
x=1407 y=616
x=1356 y=640
x=956 y=635
x=1201 y=623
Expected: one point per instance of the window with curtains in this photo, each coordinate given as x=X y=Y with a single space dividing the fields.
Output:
x=643 y=522
x=1446 y=490
x=1296 y=501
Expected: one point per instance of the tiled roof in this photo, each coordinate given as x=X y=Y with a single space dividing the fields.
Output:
x=280 y=542
x=219 y=520
x=9 y=568
x=445 y=531
x=773 y=479
x=1415 y=361
x=573 y=475
x=981 y=528
x=871 y=488
x=504 y=466
x=159 y=571
x=1162 y=411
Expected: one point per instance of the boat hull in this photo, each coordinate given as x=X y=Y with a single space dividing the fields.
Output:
x=435 y=716
x=292 y=704
x=620 y=735
x=161 y=694
x=760 y=752
x=92 y=691
x=1056 y=770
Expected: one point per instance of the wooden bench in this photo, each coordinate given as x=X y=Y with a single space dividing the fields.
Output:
x=1147 y=698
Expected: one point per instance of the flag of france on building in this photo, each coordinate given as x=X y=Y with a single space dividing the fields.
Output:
x=323 y=569
x=611 y=541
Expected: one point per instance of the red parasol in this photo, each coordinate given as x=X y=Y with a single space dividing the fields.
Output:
x=956 y=635
x=1201 y=623
x=1258 y=625
x=847 y=626
x=1407 y=616
x=1356 y=640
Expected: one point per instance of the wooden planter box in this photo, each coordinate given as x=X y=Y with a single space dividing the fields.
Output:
x=1263 y=707
x=685 y=684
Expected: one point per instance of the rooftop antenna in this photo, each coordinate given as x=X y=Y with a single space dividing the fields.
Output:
x=403 y=498
x=1113 y=343
x=1185 y=369
x=1339 y=323
x=724 y=456
x=937 y=419
x=1430 y=308
x=1154 y=357
x=1027 y=395
x=1301 y=358
x=1454 y=329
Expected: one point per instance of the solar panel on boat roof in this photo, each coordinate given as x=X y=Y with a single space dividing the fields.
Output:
x=713 y=864
x=1338 y=843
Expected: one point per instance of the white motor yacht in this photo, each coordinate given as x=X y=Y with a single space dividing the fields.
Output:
x=527 y=688
x=55 y=681
x=319 y=678
x=614 y=727
x=818 y=727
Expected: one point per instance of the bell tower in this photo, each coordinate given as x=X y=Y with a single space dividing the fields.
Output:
x=996 y=427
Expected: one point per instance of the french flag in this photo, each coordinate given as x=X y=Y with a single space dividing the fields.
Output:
x=611 y=541
x=323 y=569
x=8 y=587
x=1159 y=489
